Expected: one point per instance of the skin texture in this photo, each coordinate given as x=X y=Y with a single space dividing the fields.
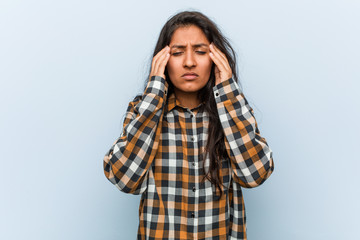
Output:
x=190 y=51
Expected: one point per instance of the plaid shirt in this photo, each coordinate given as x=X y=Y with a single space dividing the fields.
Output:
x=158 y=156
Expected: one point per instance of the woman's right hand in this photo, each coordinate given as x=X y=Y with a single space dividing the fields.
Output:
x=159 y=62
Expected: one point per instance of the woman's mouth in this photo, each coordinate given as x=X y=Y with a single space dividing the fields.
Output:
x=190 y=76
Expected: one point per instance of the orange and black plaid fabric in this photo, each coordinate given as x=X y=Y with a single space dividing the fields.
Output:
x=158 y=156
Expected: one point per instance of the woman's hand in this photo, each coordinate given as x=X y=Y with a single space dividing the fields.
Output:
x=159 y=62
x=222 y=69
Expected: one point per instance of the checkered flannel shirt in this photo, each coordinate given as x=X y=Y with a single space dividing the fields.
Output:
x=158 y=156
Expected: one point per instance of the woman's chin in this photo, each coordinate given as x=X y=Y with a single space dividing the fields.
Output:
x=190 y=89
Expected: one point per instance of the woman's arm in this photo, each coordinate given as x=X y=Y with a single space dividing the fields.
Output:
x=127 y=162
x=250 y=156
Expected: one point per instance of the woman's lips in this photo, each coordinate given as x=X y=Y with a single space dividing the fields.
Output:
x=190 y=76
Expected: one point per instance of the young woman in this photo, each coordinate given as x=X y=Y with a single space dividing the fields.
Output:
x=190 y=141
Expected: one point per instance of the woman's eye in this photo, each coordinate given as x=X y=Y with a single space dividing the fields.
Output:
x=179 y=53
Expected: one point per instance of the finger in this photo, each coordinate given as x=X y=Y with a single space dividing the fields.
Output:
x=157 y=58
x=223 y=67
x=159 y=54
x=219 y=62
x=222 y=57
x=217 y=50
x=161 y=62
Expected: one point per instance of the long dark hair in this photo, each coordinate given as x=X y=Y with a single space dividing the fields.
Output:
x=215 y=146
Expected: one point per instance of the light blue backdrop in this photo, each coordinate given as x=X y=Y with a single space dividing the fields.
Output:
x=69 y=68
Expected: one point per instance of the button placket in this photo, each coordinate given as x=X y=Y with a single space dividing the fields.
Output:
x=193 y=187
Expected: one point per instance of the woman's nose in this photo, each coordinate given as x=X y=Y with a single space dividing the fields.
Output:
x=189 y=60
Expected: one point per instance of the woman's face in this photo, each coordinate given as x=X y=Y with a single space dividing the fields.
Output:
x=189 y=65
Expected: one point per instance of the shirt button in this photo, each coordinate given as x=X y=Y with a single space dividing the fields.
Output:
x=192 y=215
x=193 y=164
x=194 y=189
x=192 y=139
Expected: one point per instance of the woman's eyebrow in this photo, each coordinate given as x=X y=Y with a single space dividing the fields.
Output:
x=194 y=45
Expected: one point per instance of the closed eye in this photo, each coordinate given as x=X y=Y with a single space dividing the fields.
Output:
x=177 y=53
x=201 y=52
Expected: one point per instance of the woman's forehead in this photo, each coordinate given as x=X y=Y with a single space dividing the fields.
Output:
x=189 y=35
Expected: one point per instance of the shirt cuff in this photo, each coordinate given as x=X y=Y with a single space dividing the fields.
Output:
x=226 y=90
x=157 y=85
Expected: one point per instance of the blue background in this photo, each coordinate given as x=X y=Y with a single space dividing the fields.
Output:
x=69 y=68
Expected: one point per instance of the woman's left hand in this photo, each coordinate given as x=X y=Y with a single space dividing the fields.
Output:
x=222 y=69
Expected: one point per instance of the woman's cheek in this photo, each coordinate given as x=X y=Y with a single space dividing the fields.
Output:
x=206 y=59
x=172 y=64
x=207 y=63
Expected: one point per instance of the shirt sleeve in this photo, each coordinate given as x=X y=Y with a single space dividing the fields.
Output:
x=250 y=156
x=127 y=162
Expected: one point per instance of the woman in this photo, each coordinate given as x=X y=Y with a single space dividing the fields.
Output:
x=190 y=141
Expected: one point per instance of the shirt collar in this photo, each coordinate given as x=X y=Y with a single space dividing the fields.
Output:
x=172 y=102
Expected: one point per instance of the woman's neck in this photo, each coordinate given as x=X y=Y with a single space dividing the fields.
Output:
x=187 y=99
